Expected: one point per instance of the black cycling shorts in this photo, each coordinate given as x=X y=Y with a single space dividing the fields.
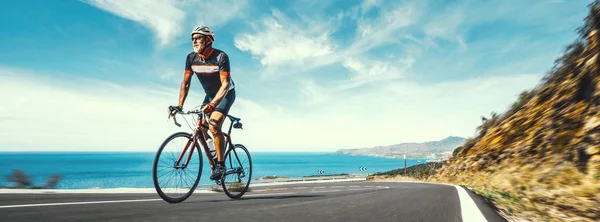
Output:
x=225 y=104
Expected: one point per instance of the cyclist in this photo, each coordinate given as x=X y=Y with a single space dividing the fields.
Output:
x=211 y=66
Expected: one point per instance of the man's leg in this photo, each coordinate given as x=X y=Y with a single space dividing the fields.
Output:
x=218 y=138
x=204 y=121
x=217 y=119
x=203 y=129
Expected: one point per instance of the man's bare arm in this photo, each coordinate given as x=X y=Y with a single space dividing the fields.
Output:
x=225 y=81
x=185 y=87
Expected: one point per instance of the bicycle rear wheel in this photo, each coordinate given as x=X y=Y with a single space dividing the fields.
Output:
x=175 y=183
x=238 y=171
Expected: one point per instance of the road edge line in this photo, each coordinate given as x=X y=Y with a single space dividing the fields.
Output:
x=468 y=208
x=76 y=203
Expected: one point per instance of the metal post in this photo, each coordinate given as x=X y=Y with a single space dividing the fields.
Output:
x=405 y=165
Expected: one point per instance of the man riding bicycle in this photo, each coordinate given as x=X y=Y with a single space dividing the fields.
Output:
x=211 y=66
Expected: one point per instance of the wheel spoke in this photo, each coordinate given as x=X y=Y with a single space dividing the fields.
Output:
x=175 y=184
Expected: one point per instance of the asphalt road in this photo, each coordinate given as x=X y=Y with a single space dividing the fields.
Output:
x=341 y=201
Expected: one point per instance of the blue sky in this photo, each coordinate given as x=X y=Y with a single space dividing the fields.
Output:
x=310 y=75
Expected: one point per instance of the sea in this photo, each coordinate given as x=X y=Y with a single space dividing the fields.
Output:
x=93 y=170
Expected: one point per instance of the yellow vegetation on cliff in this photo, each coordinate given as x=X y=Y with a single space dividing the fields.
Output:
x=540 y=160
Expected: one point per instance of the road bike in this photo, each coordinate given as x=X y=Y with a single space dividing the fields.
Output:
x=177 y=168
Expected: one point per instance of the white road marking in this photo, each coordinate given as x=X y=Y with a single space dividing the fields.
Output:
x=468 y=208
x=354 y=186
x=279 y=189
x=298 y=188
x=77 y=203
x=337 y=186
x=319 y=187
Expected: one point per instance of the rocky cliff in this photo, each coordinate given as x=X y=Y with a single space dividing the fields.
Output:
x=540 y=160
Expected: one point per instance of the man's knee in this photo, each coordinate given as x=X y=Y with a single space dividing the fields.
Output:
x=215 y=130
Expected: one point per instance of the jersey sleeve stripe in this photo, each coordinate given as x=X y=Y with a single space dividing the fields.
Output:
x=187 y=72
x=224 y=73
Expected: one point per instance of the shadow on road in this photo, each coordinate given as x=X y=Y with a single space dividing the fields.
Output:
x=271 y=197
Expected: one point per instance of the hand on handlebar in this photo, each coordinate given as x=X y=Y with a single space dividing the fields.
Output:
x=204 y=112
x=174 y=110
x=208 y=108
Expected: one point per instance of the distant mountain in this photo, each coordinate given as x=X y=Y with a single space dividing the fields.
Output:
x=432 y=149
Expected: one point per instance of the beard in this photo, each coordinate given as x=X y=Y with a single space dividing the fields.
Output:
x=199 y=48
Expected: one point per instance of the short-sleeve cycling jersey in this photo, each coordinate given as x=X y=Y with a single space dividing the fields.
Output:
x=209 y=70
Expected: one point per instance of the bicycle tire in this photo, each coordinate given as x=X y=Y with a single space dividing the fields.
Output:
x=157 y=183
x=232 y=157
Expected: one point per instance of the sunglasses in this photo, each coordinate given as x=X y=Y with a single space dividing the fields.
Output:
x=198 y=38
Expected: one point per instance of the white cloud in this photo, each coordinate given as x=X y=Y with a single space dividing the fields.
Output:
x=445 y=24
x=169 y=19
x=284 y=46
x=548 y=15
x=397 y=112
x=253 y=111
x=84 y=114
x=365 y=70
x=280 y=43
x=312 y=93
x=368 y=4
x=382 y=30
x=371 y=70
x=366 y=94
x=394 y=112
x=461 y=43
x=169 y=74
x=80 y=114
x=163 y=17
x=215 y=13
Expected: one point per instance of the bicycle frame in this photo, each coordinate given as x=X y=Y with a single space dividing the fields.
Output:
x=199 y=136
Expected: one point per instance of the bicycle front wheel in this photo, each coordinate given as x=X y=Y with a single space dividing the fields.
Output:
x=238 y=172
x=174 y=182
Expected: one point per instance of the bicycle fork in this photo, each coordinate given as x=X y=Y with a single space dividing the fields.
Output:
x=187 y=161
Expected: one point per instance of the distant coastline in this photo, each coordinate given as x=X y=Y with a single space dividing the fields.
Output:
x=432 y=150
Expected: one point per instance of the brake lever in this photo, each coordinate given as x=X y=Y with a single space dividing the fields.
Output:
x=175 y=121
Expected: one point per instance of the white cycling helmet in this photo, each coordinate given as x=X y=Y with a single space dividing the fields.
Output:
x=204 y=30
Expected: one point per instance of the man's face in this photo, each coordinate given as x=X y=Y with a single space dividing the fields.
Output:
x=199 y=42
